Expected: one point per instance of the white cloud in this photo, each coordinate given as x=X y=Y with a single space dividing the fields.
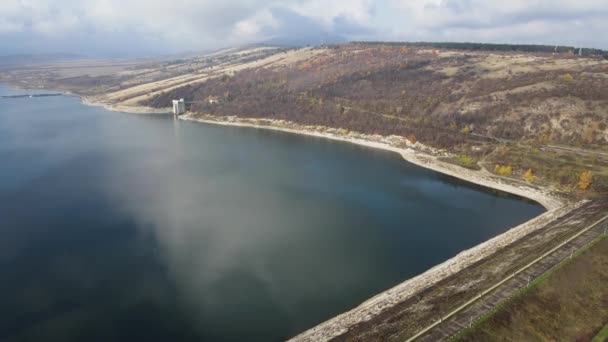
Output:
x=193 y=21
x=199 y=24
x=327 y=11
x=542 y=21
x=9 y=27
x=155 y=25
x=261 y=24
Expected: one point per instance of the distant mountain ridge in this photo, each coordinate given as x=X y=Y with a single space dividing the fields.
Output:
x=37 y=59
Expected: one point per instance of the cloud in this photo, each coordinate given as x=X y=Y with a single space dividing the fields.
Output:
x=515 y=21
x=262 y=23
x=327 y=11
x=178 y=25
x=192 y=24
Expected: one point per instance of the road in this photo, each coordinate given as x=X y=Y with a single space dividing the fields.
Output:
x=575 y=150
x=462 y=317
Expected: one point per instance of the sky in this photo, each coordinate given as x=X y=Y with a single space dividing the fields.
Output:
x=125 y=28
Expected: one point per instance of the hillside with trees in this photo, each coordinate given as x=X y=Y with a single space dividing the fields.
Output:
x=460 y=97
x=532 y=112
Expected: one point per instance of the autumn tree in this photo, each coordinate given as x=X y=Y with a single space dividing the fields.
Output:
x=503 y=170
x=467 y=160
x=584 y=180
x=568 y=78
x=529 y=176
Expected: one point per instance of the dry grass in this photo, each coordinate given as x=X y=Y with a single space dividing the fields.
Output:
x=569 y=304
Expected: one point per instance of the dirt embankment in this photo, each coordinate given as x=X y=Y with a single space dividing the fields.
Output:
x=124 y=108
x=570 y=303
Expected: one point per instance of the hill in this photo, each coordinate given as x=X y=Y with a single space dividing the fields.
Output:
x=509 y=109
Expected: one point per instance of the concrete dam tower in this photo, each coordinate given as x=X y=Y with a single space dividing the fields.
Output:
x=179 y=107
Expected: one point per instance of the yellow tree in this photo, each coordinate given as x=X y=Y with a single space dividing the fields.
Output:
x=529 y=176
x=504 y=170
x=584 y=180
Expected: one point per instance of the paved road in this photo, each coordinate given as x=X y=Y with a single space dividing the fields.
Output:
x=463 y=318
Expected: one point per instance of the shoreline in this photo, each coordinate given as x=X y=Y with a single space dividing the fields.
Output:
x=545 y=198
x=421 y=156
x=418 y=154
x=122 y=108
x=340 y=324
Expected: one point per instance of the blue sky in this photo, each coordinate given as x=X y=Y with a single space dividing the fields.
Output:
x=124 y=28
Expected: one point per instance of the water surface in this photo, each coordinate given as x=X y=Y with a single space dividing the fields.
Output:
x=132 y=227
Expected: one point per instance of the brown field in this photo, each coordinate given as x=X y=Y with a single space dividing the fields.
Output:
x=568 y=304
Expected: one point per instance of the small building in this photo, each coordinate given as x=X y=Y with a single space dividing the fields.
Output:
x=179 y=107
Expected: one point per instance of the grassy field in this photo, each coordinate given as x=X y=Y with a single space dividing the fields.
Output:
x=602 y=336
x=569 y=303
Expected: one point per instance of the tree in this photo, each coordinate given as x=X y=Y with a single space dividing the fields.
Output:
x=588 y=135
x=466 y=160
x=584 y=180
x=529 y=176
x=568 y=78
x=504 y=170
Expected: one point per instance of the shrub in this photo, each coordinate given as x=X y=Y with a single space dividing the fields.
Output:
x=465 y=160
x=529 y=176
x=503 y=170
x=584 y=180
x=568 y=78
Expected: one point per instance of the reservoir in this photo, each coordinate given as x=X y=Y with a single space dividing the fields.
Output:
x=142 y=228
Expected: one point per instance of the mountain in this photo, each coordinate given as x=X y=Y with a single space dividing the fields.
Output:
x=37 y=59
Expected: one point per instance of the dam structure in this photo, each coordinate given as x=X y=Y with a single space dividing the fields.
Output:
x=179 y=107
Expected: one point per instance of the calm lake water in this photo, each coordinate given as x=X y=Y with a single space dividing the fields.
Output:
x=132 y=227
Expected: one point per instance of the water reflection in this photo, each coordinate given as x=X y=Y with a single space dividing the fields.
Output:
x=241 y=252
x=125 y=227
